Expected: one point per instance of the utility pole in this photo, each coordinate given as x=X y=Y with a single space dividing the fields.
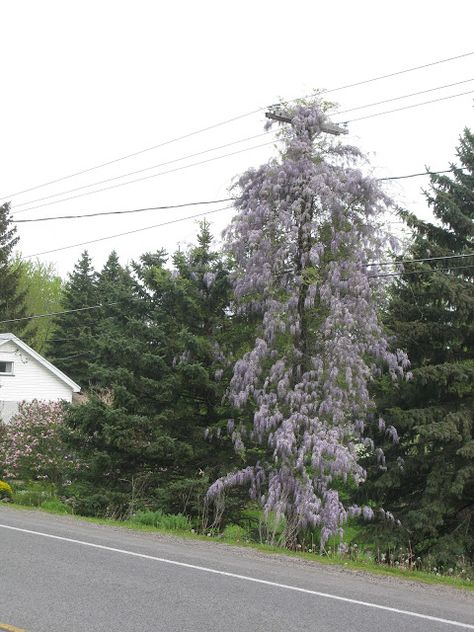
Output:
x=329 y=128
x=276 y=113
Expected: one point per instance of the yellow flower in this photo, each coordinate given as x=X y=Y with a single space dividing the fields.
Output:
x=5 y=490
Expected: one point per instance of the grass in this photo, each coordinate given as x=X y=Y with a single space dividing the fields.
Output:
x=231 y=538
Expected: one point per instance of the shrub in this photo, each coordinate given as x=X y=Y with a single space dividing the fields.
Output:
x=30 y=497
x=33 y=493
x=33 y=447
x=271 y=529
x=90 y=499
x=55 y=506
x=235 y=532
x=5 y=490
x=160 y=520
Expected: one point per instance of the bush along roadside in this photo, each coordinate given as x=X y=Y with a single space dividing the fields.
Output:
x=6 y=492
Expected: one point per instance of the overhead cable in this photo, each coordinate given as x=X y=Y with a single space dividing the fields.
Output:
x=408 y=107
x=228 y=121
x=423 y=260
x=393 y=74
x=417 y=175
x=128 y=211
x=426 y=271
x=66 y=311
x=133 y=154
x=404 y=96
x=73 y=197
x=133 y=173
x=153 y=175
x=162 y=164
x=173 y=206
x=128 y=232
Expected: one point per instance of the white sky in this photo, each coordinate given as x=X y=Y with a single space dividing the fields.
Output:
x=87 y=82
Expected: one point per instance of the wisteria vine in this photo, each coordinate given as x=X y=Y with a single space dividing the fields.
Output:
x=307 y=225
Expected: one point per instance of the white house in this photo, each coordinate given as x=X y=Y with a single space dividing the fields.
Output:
x=25 y=375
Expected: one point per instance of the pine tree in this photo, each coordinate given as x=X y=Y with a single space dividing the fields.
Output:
x=12 y=299
x=429 y=483
x=72 y=348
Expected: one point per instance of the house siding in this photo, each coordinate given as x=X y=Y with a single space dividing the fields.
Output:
x=30 y=380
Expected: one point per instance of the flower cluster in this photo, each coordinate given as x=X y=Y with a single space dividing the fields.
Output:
x=5 y=490
x=308 y=230
x=33 y=447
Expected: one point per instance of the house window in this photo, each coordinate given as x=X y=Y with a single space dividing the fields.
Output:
x=6 y=368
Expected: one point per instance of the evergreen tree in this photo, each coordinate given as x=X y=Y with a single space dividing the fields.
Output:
x=429 y=483
x=158 y=385
x=118 y=430
x=116 y=292
x=197 y=296
x=12 y=297
x=72 y=348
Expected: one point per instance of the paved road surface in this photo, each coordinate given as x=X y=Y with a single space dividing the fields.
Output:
x=91 y=578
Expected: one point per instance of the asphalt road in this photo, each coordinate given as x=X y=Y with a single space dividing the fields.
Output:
x=60 y=574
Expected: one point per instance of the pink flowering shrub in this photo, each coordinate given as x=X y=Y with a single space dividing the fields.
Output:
x=32 y=447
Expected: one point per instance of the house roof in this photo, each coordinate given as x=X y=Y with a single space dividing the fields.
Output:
x=47 y=365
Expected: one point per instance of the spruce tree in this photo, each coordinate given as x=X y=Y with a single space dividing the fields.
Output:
x=116 y=292
x=12 y=298
x=72 y=348
x=157 y=385
x=121 y=430
x=198 y=296
x=429 y=483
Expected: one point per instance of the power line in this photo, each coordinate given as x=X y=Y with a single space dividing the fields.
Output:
x=66 y=311
x=154 y=175
x=403 y=261
x=173 y=206
x=31 y=208
x=408 y=107
x=231 y=120
x=162 y=164
x=416 y=175
x=136 y=153
x=405 y=96
x=133 y=210
x=128 y=232
x=219 y=210
x=132 y=173
x=394 y=74
x=399 y=274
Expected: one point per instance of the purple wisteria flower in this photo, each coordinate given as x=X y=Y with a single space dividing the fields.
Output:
x=306 y=228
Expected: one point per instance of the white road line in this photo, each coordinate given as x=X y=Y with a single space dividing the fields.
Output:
x=205 y=569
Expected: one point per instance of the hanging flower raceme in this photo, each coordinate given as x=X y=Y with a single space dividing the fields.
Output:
x=306 y=228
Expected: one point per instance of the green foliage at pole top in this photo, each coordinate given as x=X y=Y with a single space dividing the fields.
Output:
x=431 y=487
x=12 y=298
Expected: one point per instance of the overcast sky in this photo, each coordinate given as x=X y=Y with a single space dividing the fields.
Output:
x=88 y=82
